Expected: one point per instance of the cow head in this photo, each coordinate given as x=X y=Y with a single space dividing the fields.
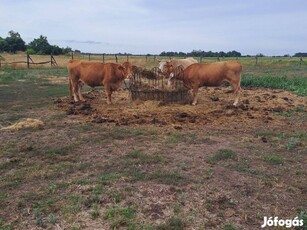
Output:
x=127 y=69
x=175 y=73
x=166 y=68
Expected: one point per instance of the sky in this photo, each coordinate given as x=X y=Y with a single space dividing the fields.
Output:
x=270 y=27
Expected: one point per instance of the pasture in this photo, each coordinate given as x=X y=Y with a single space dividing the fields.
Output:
x=149 y=165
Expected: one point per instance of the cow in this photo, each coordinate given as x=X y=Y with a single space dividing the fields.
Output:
x=109 y=75
x=210 y=74
x=168 y=67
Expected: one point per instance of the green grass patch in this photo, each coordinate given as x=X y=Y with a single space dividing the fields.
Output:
x=174 y=223
x=229 y=227
x=291 y=112
x=296 y=84
x=59 y=151
x=167 y=177
x=12 y=74
x=120 y=133
x=94 y=213
x=73 y=204
x=9 y=164
x=303 y=216
x=30 y=86
x=222 y=154
x=120 y=216
x=293 y=143
x=137 y=156
x=106 y=178
x=273 y=160
x=290 y=141
x=174 y=137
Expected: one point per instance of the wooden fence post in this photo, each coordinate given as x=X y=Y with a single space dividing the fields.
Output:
x=72 y=55
x=301 y=60
x=256 y=60
x=116 y=58
x=28 y=61
x=155 y=57
x=53 y=61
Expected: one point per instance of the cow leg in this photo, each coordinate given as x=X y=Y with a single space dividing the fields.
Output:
x=70 y=88
x=109 y=93
x=194 y=95
x=80 y=86
x=237 y=88
x=75 y=86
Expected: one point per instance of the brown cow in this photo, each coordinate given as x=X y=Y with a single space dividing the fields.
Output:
x=109 y=75
x=211 y=74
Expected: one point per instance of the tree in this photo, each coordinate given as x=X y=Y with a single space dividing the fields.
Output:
x=260 y=55
x=66 y=50
x=15 y=42
x=233 y=54
x=40 y=45
x=3 y=45
x=300 y=54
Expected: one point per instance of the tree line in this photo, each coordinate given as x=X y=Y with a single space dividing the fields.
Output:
x=201 y=53
x=13 y=43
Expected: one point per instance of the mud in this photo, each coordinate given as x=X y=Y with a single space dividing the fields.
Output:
x=214 y=108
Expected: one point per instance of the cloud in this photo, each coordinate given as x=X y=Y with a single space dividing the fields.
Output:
x=140 y=26
x=85 y=42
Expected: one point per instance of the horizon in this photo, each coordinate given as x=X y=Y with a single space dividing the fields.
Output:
x=271 y=28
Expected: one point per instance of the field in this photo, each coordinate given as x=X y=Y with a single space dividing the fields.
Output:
x=147 y=165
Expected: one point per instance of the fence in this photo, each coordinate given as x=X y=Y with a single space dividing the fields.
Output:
x=29 y=61
x=148 y=61
x=113 y=57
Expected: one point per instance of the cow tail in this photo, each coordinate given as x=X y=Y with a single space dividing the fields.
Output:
x=69 y=85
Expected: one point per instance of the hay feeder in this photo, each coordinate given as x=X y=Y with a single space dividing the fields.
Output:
x=152 y=85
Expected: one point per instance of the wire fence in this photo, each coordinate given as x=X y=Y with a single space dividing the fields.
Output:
x=148 y=61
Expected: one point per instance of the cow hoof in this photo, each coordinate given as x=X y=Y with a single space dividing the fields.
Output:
x=194 y=103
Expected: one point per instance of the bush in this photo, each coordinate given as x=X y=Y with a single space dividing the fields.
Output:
x=30 y=51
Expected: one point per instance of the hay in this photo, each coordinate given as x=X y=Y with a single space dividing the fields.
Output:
x=25 y=123
x=150 y=85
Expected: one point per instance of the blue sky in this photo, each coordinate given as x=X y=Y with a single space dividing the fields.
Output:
x=271 y=27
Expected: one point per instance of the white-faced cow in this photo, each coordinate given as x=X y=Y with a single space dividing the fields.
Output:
x=109 y=75
x=210 y=74
x=168 y=67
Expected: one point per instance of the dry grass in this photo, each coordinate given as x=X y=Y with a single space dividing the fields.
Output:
x=148 y=165
x=24 y=124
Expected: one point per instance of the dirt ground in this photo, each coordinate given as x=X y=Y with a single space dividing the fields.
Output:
x=147 y=165
x=258 y=107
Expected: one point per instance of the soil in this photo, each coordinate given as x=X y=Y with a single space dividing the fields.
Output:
x=214 y=109
x=178 y=178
